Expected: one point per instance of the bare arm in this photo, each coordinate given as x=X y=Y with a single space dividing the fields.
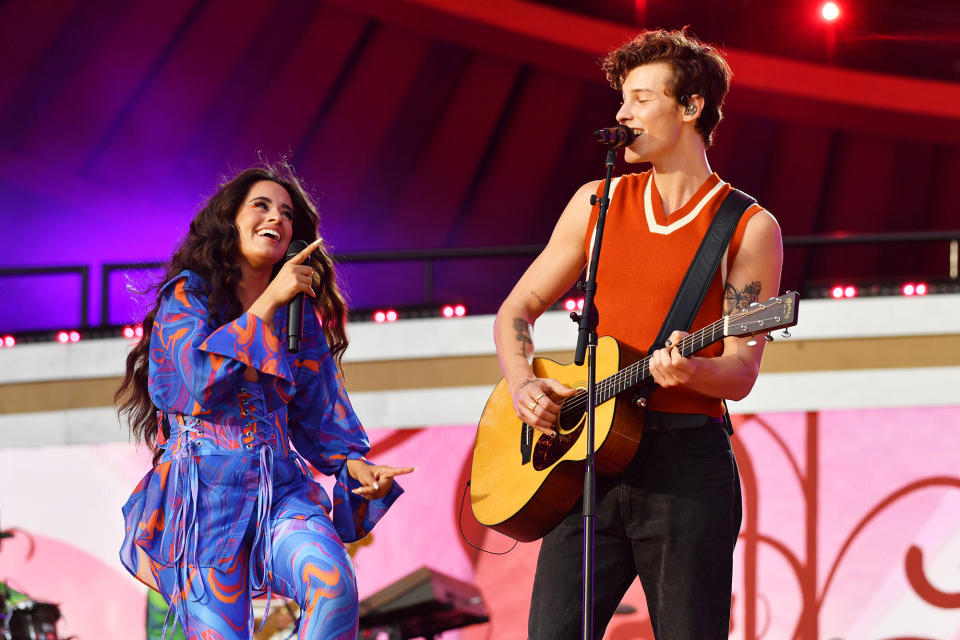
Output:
x=550 y=275
x=754 y=276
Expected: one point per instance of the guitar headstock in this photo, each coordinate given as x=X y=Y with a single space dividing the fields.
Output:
x=761 y=317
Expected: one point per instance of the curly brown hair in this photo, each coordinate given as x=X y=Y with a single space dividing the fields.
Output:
x=698 y=69
x=209 y=250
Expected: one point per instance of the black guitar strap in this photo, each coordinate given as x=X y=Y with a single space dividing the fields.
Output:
x=697 y=280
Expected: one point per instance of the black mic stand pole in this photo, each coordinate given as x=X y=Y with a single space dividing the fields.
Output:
x=587 y=342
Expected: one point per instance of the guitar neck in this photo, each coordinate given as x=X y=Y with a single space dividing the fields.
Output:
x=776 y=313
x=639 y=372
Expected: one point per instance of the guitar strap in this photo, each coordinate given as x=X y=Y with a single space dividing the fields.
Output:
x=697 y=280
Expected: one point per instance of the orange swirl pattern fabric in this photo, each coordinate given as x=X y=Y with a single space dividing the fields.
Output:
x=229 y=485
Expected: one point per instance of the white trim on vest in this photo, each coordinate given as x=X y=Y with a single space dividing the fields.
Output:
x=664 y=230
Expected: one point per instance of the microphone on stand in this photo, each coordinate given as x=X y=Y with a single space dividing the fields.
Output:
x=295 y=306
x=615 y=137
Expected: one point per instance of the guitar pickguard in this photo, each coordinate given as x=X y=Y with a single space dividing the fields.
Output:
x=572 y=420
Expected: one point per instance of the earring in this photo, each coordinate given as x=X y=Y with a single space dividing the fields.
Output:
x=691 y=109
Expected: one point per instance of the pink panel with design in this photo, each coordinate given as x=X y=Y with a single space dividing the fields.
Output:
x=851 y=530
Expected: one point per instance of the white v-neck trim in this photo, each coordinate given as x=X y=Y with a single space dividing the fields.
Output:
x=656 y=227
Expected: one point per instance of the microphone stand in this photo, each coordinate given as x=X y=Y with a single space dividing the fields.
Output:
x=587 y=342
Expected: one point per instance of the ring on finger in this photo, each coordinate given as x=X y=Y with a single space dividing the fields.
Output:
x=536 y=400
x=532 y=405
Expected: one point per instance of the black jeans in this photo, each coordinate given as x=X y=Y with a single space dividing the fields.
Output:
x=672 y=518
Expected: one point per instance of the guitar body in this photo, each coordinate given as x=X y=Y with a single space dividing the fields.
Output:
x=524 y=482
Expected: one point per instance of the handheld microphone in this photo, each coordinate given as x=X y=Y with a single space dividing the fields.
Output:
x=615 y=137
x=295 y=306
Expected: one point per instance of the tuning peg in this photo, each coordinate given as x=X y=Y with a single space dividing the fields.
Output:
x=768 y=337
x=786 y=333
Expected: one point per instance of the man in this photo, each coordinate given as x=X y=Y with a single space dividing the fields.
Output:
x=672 y=517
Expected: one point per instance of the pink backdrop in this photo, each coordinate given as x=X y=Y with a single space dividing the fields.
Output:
x=851 y=530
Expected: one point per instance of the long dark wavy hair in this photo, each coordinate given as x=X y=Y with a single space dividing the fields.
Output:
x=210 y=250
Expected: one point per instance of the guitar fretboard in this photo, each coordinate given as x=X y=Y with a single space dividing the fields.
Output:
x=639 y=371
x=758 y=318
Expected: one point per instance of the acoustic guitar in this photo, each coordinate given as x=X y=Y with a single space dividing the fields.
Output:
x=522 y=482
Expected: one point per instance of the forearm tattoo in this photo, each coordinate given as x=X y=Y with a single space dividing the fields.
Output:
x=537 y=296
x=523 y=335
x=736 y=300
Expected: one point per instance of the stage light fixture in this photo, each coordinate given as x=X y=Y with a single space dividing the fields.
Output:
x=385 y=315
x=844 y=291
x=918 y=289
x=9 y=341
x=63 y=337
x=132 y=331
x=447 y=311
x=868 y=289
x=830 y=11
x=459 y=311
x=74 y=336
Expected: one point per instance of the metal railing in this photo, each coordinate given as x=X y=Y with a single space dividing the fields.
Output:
x=81 y=270
x=953 y=237
x=430 y=257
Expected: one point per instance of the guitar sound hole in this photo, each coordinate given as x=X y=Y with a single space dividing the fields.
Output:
x=570 y=423
x=573 y=411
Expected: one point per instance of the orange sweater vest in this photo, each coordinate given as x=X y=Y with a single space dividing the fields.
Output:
x=643 y=259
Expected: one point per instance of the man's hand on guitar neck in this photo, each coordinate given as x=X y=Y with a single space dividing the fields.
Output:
x=668 y=367
x=537 y=402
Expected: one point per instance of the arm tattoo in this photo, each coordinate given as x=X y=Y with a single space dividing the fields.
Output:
x=734 y=300
x=537 y=296
x=523 y=335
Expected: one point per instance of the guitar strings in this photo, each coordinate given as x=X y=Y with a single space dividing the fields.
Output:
x=628 y=376
x=634 y=373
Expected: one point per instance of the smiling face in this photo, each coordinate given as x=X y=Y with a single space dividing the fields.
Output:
x=657 y=119
x=264 y=225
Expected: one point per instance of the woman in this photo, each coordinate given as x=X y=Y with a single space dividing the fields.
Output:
x=230 y=510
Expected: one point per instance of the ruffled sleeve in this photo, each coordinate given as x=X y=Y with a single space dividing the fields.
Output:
x=327 y=432
x=193 y=367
